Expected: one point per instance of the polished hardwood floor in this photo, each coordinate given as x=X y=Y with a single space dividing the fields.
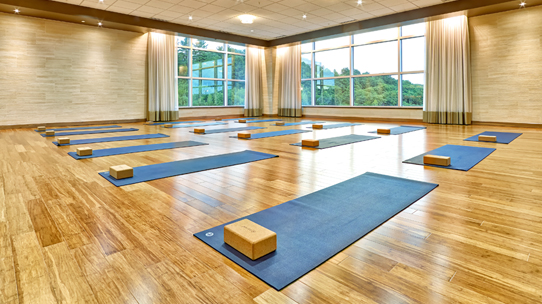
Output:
x=69 y=236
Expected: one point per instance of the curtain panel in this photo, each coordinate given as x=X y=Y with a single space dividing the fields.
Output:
x=448 y=97
x=289 y=84
x=162 y=78
x=255 y=69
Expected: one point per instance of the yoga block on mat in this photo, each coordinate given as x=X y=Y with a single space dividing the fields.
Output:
x=310 y=142
x=487 y=138
x=243 y=120
x=121 y=171
x=168 y=126
x=243 y=135
x=50 y=132
x=41 y=129
x=437 y=160
x=383 y=131
x=63 y=141
x=280 y=123
x=200 y=131
x=218 y=119
x=250 y=239
x=84 y=151
x=317 y=126
x=149 y=122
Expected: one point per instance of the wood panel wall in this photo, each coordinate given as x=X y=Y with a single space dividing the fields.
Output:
x=506 y=50
x=55 y=72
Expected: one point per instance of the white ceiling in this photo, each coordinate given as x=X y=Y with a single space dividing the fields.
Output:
x=275 y=18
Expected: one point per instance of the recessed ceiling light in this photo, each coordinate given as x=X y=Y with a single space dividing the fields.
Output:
x=16 y=11
x=99 y=24
x=304 y=16
x=101 y=1
x=190 y=17
x=522 y=4
x=360 y=2
x=247 y=19
x=83 y=21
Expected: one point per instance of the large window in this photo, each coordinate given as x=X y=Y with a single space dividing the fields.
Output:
x=210 y=73
x=377 y=68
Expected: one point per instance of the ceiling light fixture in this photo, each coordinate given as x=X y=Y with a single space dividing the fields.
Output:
x=522 y=4
x=83 y=21
x=247 y=19
x=360 y=2
x=190 y=17
x=16 y=11
x=304 y=16
x=99 y=24
x=101 y=1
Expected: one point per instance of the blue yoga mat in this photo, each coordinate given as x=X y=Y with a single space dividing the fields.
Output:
x=262 y=120
x=402 y=130
x=79 y=128
x=199 y=125
x=229 y=130
x=90 y=132
x=462 y=157
x=109 y=139
x=163 y=170
x=502 y=137
x=341 y=125
x=273 y=134
x=339 y=141
x=299 y=123
x=240 y=118
x=313 y=228
x=136 y=149
x=173 y=123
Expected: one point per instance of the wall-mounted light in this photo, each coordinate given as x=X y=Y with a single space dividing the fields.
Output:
x=247 y=19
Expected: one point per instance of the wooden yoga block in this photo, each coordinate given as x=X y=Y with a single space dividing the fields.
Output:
x=200 y=131
x=487 y=138
x=86 y=151
x=250 y=239
x=168 y=126
x=242 y=120
x=149 y=122
x=243 y=135
x=317 y=126
x=437 y=160
x=310 y=142
x=42 y=129
x=121 y=171
x=218 y=119
x=51 y=132
x=383 y=131
x=63 y=141
x=280 y=123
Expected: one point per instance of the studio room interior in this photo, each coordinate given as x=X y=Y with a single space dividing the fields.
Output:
x=270 y=151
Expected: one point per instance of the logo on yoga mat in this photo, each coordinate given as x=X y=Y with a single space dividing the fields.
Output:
x=209 y=234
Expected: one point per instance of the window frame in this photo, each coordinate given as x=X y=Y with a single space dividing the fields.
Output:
x=399 y=39
x=224 y=80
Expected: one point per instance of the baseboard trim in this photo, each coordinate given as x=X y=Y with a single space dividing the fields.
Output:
x=78 y=123
x=507 y=124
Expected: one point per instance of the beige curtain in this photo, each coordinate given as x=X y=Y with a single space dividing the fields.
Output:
x=448 y=98
x=255 y=69
x=289 y=84
x=162 y=78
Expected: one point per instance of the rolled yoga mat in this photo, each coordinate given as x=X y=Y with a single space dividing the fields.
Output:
x=313 y=228
x=462 y=157
x=229 y=130
x=90 y=132
x=109 y=139
x=79 y=128
x=273 y=134
x=163 y=170
x=502 y=137
x=136 y=149
x=339 y=141
x=173 y=123
x=199 y=125
x=402 y=130
x=341 y=125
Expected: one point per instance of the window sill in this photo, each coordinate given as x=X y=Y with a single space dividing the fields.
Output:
x=367 y=107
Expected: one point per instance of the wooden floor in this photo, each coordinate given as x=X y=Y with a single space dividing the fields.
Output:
x=69 y=236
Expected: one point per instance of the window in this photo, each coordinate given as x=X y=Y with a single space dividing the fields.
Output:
x=382 y=68
x=210 y=73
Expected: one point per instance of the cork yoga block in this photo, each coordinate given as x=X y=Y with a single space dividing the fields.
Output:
x=317 y=126
x=281 y=123
x=437 y=160
x=250 y=239
x=41 y=129
x=242 y=120
x=63 y=141
x=49 y=133
x=86 y=151
x=243 y=135
x=487 y=138
x=168 y=126
x=121 y=171
x=200 y=131
x=310 y=142
x=383 y=131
